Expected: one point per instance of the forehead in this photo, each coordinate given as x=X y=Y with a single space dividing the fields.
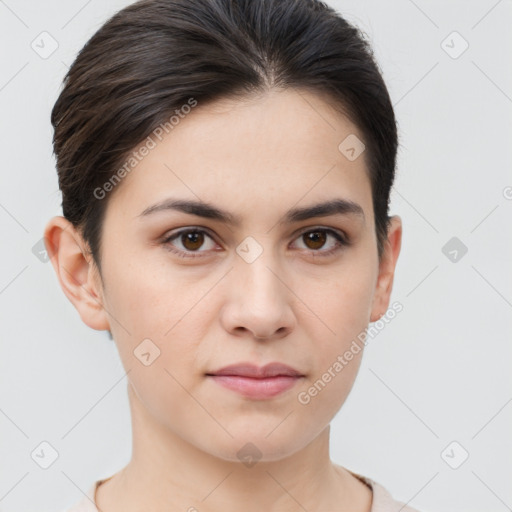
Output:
x=259 y=154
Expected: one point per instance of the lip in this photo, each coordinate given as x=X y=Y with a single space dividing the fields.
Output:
x=257 y=382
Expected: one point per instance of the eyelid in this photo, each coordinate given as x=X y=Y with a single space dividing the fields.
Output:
x=341 y=237
x=317 y=227
x=172 y=235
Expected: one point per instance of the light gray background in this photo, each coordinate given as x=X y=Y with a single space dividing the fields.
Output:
x=439 y=372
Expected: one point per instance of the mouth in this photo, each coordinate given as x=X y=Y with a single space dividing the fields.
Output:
x=255 y=382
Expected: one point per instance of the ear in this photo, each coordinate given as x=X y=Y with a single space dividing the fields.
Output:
x=387 y=266
x=76 y=272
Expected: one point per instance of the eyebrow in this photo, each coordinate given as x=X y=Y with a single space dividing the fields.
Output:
x=336 y=206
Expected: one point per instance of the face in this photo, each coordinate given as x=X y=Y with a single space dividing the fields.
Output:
x=188 y=292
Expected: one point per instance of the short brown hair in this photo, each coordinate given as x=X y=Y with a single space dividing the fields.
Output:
x=151 y=57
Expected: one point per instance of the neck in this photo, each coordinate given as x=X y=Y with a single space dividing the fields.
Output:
x=168 y=473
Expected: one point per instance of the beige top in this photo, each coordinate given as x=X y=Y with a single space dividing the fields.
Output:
x=382 y=500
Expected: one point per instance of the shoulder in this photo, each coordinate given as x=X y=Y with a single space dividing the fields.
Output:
x=382 y=500
x=86 y=502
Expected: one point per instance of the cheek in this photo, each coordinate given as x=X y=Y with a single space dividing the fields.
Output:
x=163 y=394
x=324 y=394
x=157 y=332
x=152 y=300
x=337 y=338
x=341 y=303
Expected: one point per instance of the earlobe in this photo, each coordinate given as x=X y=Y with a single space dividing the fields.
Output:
x=75 y=271
x=387 y=269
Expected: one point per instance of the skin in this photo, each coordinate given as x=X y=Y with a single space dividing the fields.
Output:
x=256 y=158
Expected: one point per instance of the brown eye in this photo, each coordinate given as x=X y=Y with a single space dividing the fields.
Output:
x=192 y=240
x=315 y=239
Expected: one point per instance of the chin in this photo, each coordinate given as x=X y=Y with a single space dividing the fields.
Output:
x=252 y=445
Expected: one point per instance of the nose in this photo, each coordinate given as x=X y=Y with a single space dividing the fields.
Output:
x=259 y=304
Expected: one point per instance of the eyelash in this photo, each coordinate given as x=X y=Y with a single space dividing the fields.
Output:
x=341 y=242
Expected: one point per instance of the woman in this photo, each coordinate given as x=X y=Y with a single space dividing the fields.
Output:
x=225 y=168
